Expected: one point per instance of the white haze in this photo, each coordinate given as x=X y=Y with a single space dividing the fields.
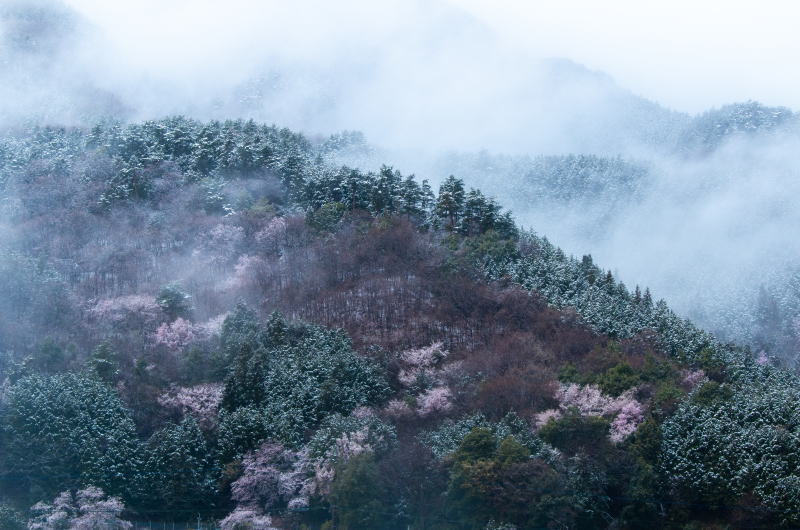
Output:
x=421 y=78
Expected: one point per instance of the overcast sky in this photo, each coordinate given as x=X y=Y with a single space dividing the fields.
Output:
x=686 y=54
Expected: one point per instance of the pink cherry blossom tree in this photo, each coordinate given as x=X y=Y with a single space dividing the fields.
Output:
x=201 y=401
x=273 y=476
x=86 y=509
x=245 y=519
x=176 y=335
x=438 y=399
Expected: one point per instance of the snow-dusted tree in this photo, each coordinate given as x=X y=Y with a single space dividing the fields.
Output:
x=86 y=509
x=68 y=431
x=745 y=443
x=174 y=301
x=177 y=468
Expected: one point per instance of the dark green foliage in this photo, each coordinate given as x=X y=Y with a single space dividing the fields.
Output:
x=574 y=433
x=448 y=437
x=103 y=363
x=177 y=473
x=31 y=294
x=315 y=375
x=359 y=496
x=450 y=202
x=618 y=379
x=666 y=398
x=241 y=431
x=241 y=327
x=297 y=374
x=11 y=519
x=480 y=443
x=67 y=431
x=244 y=384
x=379 y=436
x=501 y=481
x=710 y=362
x=712 y=393
x=174 y=301
x=326 y=217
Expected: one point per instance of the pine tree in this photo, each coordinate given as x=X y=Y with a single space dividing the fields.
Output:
x=450 y=203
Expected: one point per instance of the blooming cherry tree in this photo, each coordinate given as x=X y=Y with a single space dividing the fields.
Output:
x=201 y=401
x=86 y=509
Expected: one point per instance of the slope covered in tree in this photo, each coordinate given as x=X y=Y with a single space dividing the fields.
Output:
x=215 y=320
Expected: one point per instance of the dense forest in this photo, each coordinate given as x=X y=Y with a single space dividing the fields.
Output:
x=215 y=321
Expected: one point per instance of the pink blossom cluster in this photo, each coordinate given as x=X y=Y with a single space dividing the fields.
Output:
x=424 y=357
x=421 y=362
x=132 y=310
x=87 y=509
x=344 y=448
x=351 y=444
x=762 y=358
x=218 y=245
x=201 y=401
x=693 y=378
x=324 y=473
x=588 y=400
x=437 y=399
x=272 y=476
x=362 y=412
x=397 y=408
x=176 y=335
x=212 y=326
x=243 y=518
x=627 y=421
x=247 y=272
x=273 y=235
x=543 y=418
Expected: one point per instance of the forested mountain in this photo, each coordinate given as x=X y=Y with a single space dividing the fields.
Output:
x=709 y=130
x=212 y=320
x=707 y=222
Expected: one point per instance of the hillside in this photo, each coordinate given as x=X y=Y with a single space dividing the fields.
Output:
x=706 y=223
x=208 y=319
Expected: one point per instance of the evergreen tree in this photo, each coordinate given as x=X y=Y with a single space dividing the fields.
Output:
x=64 y=432
x=450 y=202
x=178 y=474
x=103 y=363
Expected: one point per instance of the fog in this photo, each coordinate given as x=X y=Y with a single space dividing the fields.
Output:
x=430 y=83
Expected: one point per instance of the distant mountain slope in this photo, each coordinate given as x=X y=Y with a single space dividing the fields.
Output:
x=747 y=121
